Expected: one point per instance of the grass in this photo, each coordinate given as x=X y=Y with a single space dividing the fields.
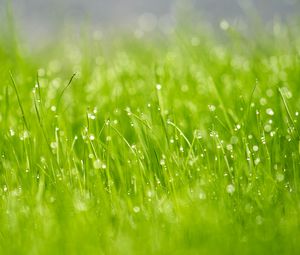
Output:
x=179 y=144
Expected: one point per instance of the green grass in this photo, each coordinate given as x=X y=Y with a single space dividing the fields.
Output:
x=185 y=144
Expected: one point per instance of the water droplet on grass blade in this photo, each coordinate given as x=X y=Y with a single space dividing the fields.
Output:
x=211 y=107
x=214 y=134
x=97 y=164
x=11 y=132
x=53 y=145
x=286 y=92
x=257 y=161
x=158 y=87
x=136 y=209
x=230 y=189
x=229 y=147
x=270 y=112
x=91 y=116
x=198 y=134
x=267 y=128
x=263 y=101
x=24 y=135
x=162 y=162
x=279 y=177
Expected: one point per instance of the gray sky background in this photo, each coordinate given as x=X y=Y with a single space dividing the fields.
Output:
x=44 y=18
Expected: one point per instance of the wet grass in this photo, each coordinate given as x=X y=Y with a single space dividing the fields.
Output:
x=185 y=144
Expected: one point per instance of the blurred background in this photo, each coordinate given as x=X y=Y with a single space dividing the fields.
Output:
x=39 y=20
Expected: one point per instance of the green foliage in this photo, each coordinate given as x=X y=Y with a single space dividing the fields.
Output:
x=181 y=145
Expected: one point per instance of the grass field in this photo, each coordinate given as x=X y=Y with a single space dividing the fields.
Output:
x=179 y=144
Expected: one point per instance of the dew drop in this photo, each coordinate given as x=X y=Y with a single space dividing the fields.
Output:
x=202 y=195
x=158 y=87
x=53 y=145
x=136 y=209
x=211 y=107
x=162 y=162
x=198 y=134
x=229 y=147
x=263 y=101
x=279 y=177
x=11 y=132
x=257 y=161
x=268 y=128
x=230 y=189
x=97 y=164
x=270 y=112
